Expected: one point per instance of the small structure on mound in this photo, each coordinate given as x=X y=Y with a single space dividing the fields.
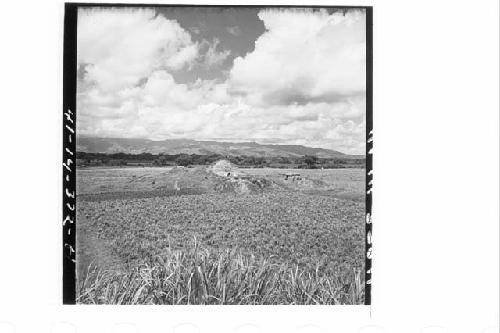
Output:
x=291 y=176
x=297 y=181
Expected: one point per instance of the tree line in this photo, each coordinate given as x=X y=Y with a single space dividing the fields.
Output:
x=148 y=159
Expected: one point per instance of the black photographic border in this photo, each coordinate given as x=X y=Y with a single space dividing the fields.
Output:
x=69 y=134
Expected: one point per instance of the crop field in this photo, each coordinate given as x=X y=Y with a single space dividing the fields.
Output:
x=198 y=236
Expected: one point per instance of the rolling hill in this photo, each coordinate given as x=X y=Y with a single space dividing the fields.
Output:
x=185 y=146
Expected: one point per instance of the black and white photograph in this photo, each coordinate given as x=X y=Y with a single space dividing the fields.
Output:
x=220 y=155
x=250 y=167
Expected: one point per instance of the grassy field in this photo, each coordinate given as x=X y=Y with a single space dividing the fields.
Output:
x=184 y=236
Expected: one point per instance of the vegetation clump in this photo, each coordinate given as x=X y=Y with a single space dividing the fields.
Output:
x=200 y=276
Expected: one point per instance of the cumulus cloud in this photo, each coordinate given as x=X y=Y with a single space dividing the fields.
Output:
x=303 y=56
x=304 y=83
x=121 y=46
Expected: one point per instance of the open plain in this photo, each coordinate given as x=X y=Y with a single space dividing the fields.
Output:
x=204 y=235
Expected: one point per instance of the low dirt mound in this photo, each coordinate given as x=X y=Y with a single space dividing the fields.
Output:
x=297 y=181
x=243 y=185
x=224 y=168
x=221 y=177
x=304 y=183
x=230 y=179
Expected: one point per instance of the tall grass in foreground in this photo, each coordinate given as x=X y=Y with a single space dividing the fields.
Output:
x=227 y=277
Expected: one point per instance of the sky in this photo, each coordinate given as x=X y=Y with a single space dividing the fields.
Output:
x=272 y=76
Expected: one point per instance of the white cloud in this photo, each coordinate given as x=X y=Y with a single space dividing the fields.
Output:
x=122 y=46
x=302 y=56
x=303 y=83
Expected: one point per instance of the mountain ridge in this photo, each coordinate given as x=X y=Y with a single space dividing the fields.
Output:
x=202 y=147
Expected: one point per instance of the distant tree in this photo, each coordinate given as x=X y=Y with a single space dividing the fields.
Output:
x=183 y=160
x=310 y=160
x=259 y=160
x=249 y=160
x=284 y=160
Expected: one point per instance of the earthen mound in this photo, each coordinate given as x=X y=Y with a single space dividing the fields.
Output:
x=224 y=168
x=230 y=179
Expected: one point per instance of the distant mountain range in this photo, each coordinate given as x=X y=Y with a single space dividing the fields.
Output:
x=185 y=146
